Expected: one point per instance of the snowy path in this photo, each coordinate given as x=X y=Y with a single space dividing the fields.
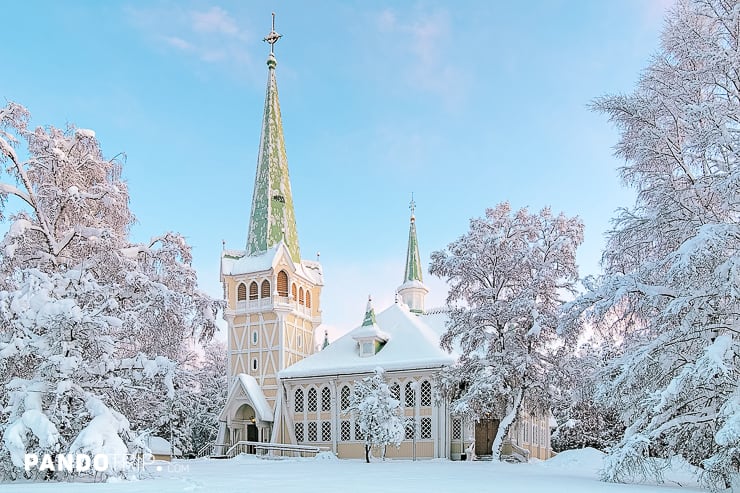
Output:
x=568 y=474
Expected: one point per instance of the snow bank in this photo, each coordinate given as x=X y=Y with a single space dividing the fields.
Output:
x=586 y=459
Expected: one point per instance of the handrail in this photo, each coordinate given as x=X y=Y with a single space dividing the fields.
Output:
x=266 y=446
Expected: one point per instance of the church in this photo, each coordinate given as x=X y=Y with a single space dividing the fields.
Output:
x=284 y=388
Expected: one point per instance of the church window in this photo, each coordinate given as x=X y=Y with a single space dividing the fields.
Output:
x=241 y=292
x=410 y=428
x=325 y=399
x=312 y=431
x=326 y=431
x=426 y=393
x=282 y=284
x=253 y=291
x=456 y=429
x=265 y=289
x=410 y=394
x=299 y=432
x=299 y=401
x=254 y=364
x=300 y=341
x=426 y=428
x=308 y=299
x=294 y=292
x=345 y=431
x=526 y=432
x=367 y=349
x=345 y=398
x=396 y=391
x=301 y=299
x=358 y=432
x=312 y=400
x=254 y=337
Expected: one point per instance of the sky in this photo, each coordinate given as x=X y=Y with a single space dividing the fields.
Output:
x=466 y=104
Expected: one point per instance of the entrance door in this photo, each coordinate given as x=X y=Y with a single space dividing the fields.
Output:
x=251 y=437
x=485 y=432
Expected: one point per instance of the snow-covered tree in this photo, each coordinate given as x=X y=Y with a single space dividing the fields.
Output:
x=581 y=422
x=507 y=275
x=91 y=325
x=378 y=415
x=671 y=277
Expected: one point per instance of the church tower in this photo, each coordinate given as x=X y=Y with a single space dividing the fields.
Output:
x=272 y=295
x=413 y=290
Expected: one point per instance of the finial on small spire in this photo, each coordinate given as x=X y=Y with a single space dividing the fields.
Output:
x=223 y=244
x=412 y=206
x=273 y=36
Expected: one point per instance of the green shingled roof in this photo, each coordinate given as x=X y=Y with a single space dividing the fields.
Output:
x=413 y=261
x=272 y=218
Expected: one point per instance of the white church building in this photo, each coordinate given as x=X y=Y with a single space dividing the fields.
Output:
x=282 y=389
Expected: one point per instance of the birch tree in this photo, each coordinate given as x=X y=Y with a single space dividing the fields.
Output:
x=91 y=325
x=671 y=284
x=507 y=275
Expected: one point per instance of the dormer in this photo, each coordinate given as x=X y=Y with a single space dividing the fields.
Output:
x=369 y=337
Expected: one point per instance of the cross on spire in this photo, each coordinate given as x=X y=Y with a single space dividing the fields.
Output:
x=412 y=205
x=273 y=36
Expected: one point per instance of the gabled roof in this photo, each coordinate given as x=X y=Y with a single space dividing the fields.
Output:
x=245 y=387
x=237 y=262
x=413 y=343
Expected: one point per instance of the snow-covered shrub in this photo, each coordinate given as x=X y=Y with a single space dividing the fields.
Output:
x=378 y=415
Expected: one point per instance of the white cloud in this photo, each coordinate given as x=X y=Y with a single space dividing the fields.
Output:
x=209 y=35
x=425 y=42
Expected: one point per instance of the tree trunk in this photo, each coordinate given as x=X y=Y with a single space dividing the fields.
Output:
x=503 y=427
x=367 y=453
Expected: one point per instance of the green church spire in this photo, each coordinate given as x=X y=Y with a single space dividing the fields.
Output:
x=272 y=218
x=413 y=260
x=369 y=319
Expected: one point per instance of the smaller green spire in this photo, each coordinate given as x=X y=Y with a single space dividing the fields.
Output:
x=326 y=340
x=369 y=320
x=413 y=260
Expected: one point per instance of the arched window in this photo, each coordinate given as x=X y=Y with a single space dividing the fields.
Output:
x=253 y=291
x=254 y=364
x=282 y=284
x=426 y=393
x=345 y=398
x=294 y=292
x=301 y=299
x=265 y=289
x=410 y=395
x=312 y=398
x=325 y=399
x=308 y=298
x=255 y=337
x=241 y=292
x=299 y=401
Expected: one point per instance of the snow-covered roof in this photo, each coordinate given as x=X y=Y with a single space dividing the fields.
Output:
x=160 y=446
x=237 y=262
x=254 y=391
x=413 y=342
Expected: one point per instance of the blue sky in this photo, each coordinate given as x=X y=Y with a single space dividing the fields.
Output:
x=466 y=104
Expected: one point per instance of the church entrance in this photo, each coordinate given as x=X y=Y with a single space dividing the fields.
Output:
x=485 y=433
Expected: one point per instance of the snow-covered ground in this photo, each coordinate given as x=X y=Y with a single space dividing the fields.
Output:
x=569 y=472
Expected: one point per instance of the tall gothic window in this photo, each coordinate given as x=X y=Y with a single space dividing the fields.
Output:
x=312 y=400
x=301 y=299
x=426 y=393
x=241 y=292
x=325 y=399
x=265 y=289
x=410 y=395
x=299 y=400
x=253 y=291
x=345 y=398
